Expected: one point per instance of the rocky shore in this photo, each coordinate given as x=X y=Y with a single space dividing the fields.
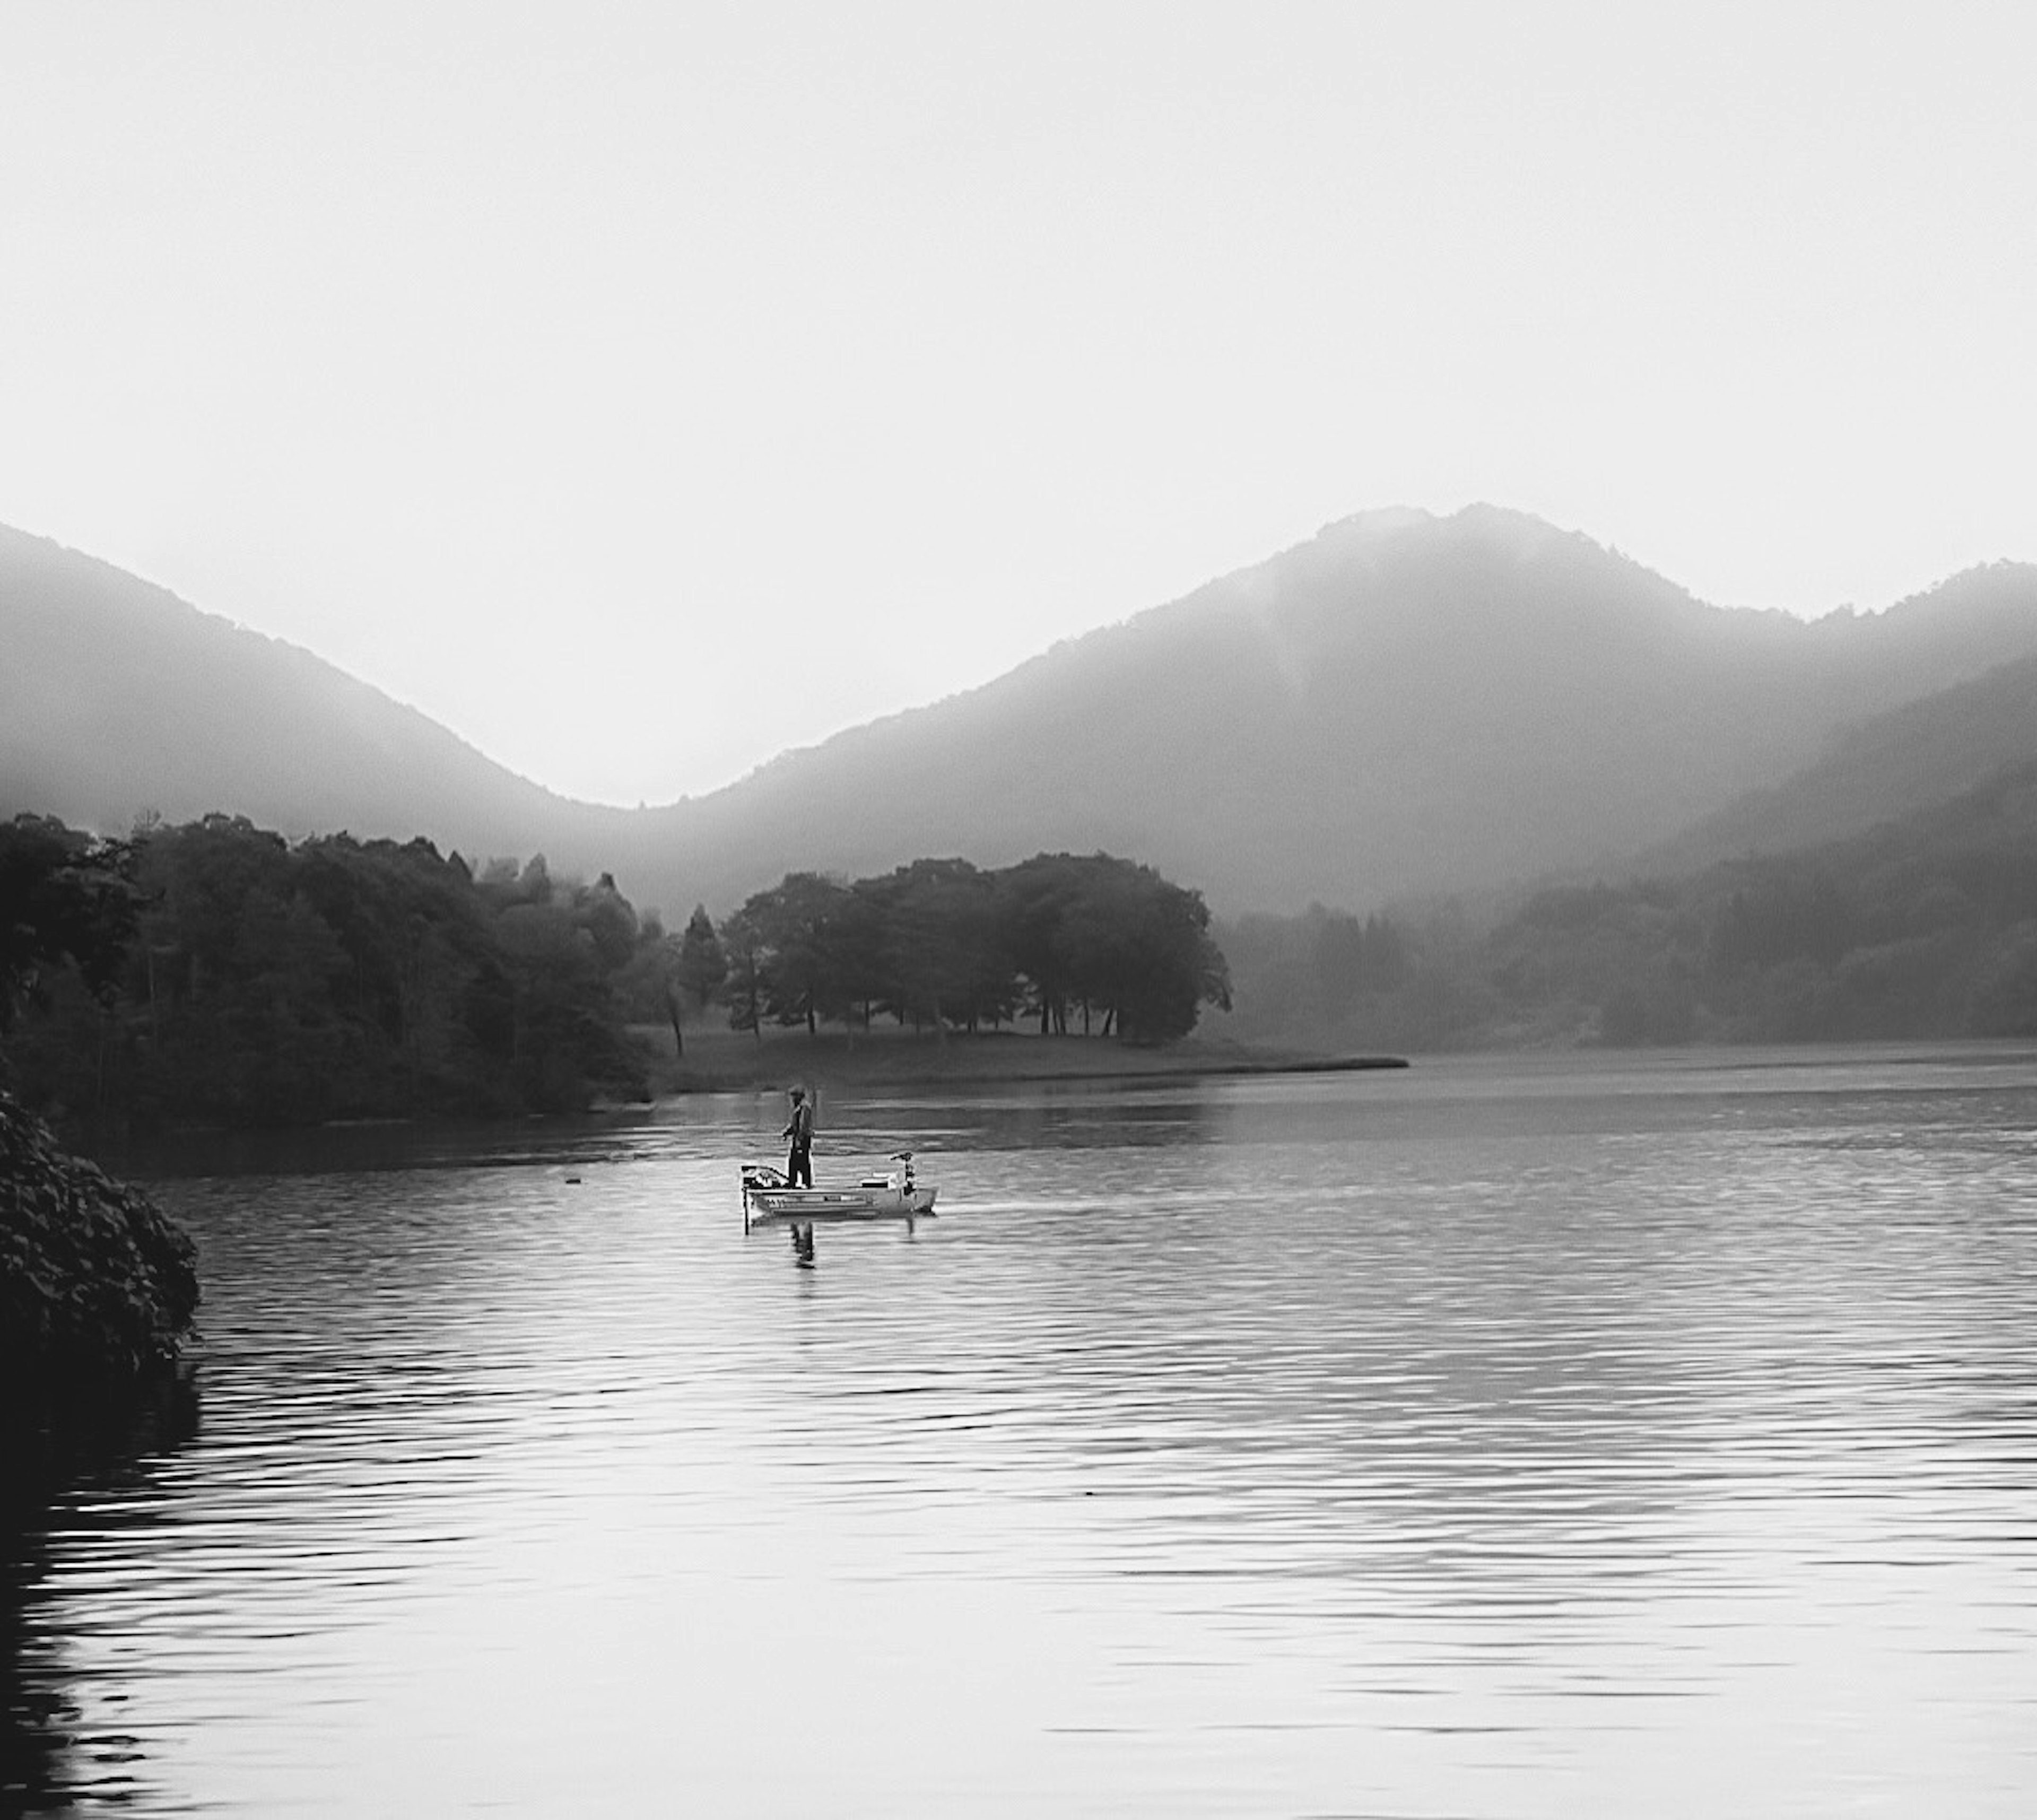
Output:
x=97 y=1287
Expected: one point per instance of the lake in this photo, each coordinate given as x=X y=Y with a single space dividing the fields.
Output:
x=1575 y=1435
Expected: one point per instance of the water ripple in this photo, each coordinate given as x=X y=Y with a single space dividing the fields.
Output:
x=1511 y=1439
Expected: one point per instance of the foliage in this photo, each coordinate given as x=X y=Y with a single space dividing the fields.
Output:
x=702 y=966
x=96 y=1286
x=942 y=945
x=215 y=972
x=1926 y=928
x=742 y=941
x=66 y=898
x=260 y=982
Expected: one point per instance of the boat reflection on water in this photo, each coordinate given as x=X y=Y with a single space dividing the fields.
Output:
x=894 y=1194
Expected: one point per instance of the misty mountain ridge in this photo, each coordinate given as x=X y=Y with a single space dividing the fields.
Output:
x=119 y=699
x=1917 y=758
x=1404 y=703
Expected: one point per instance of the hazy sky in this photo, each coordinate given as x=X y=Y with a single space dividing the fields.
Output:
x=640 y=389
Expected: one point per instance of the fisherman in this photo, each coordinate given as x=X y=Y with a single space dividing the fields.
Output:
x=799 y=1159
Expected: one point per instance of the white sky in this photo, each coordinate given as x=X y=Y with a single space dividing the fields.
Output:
x=642 y=388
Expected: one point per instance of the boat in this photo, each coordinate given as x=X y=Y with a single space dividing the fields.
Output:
x=769 y=1199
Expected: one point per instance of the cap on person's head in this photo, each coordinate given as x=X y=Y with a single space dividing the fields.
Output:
x=799 y=1093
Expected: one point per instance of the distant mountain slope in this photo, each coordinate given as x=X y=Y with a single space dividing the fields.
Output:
x=1913 y=759
x=1404 y=703
x=117 y=698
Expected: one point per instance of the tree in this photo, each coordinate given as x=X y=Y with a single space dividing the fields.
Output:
x=649 y=982
x=65 y=896
x=702 y=966
x=794 y=924
x=946 y=958
x=1036 y=896
x=607 y=916
x=1108 y=935
x=743 y=943
x=859 y=940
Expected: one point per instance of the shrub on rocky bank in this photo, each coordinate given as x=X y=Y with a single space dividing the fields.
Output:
x=97 y=1286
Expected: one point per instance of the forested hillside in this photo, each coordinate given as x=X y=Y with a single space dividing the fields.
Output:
x=1893 y=765
x=1925 y=927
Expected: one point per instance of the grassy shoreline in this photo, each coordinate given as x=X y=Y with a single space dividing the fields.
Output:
x=722 y=1061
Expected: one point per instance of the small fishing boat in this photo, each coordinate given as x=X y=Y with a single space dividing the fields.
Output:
x=769 y=1200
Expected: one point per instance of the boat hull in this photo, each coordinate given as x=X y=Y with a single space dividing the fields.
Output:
x=824 y=1206
x=769 y=1201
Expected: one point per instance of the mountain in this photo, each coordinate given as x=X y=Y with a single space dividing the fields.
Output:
x=1912 y=760
x=1404 y=703
x=117 y=699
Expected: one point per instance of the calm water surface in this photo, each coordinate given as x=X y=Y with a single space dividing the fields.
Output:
x=1554 y=1437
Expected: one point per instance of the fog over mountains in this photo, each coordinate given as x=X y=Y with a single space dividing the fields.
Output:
x=1404 y=704
x=1913 y=760
x=117 y=699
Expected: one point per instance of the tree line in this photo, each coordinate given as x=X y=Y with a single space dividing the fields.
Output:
x=214 y=972
x=1062 y=943
x=1925 y=928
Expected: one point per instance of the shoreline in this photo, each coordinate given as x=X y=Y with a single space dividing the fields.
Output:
x=731 y=1062
x=718 y=1061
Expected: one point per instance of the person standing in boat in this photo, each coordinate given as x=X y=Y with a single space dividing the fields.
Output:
x=798 y=1159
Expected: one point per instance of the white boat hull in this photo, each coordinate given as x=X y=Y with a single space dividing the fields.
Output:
x=768 y=1202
